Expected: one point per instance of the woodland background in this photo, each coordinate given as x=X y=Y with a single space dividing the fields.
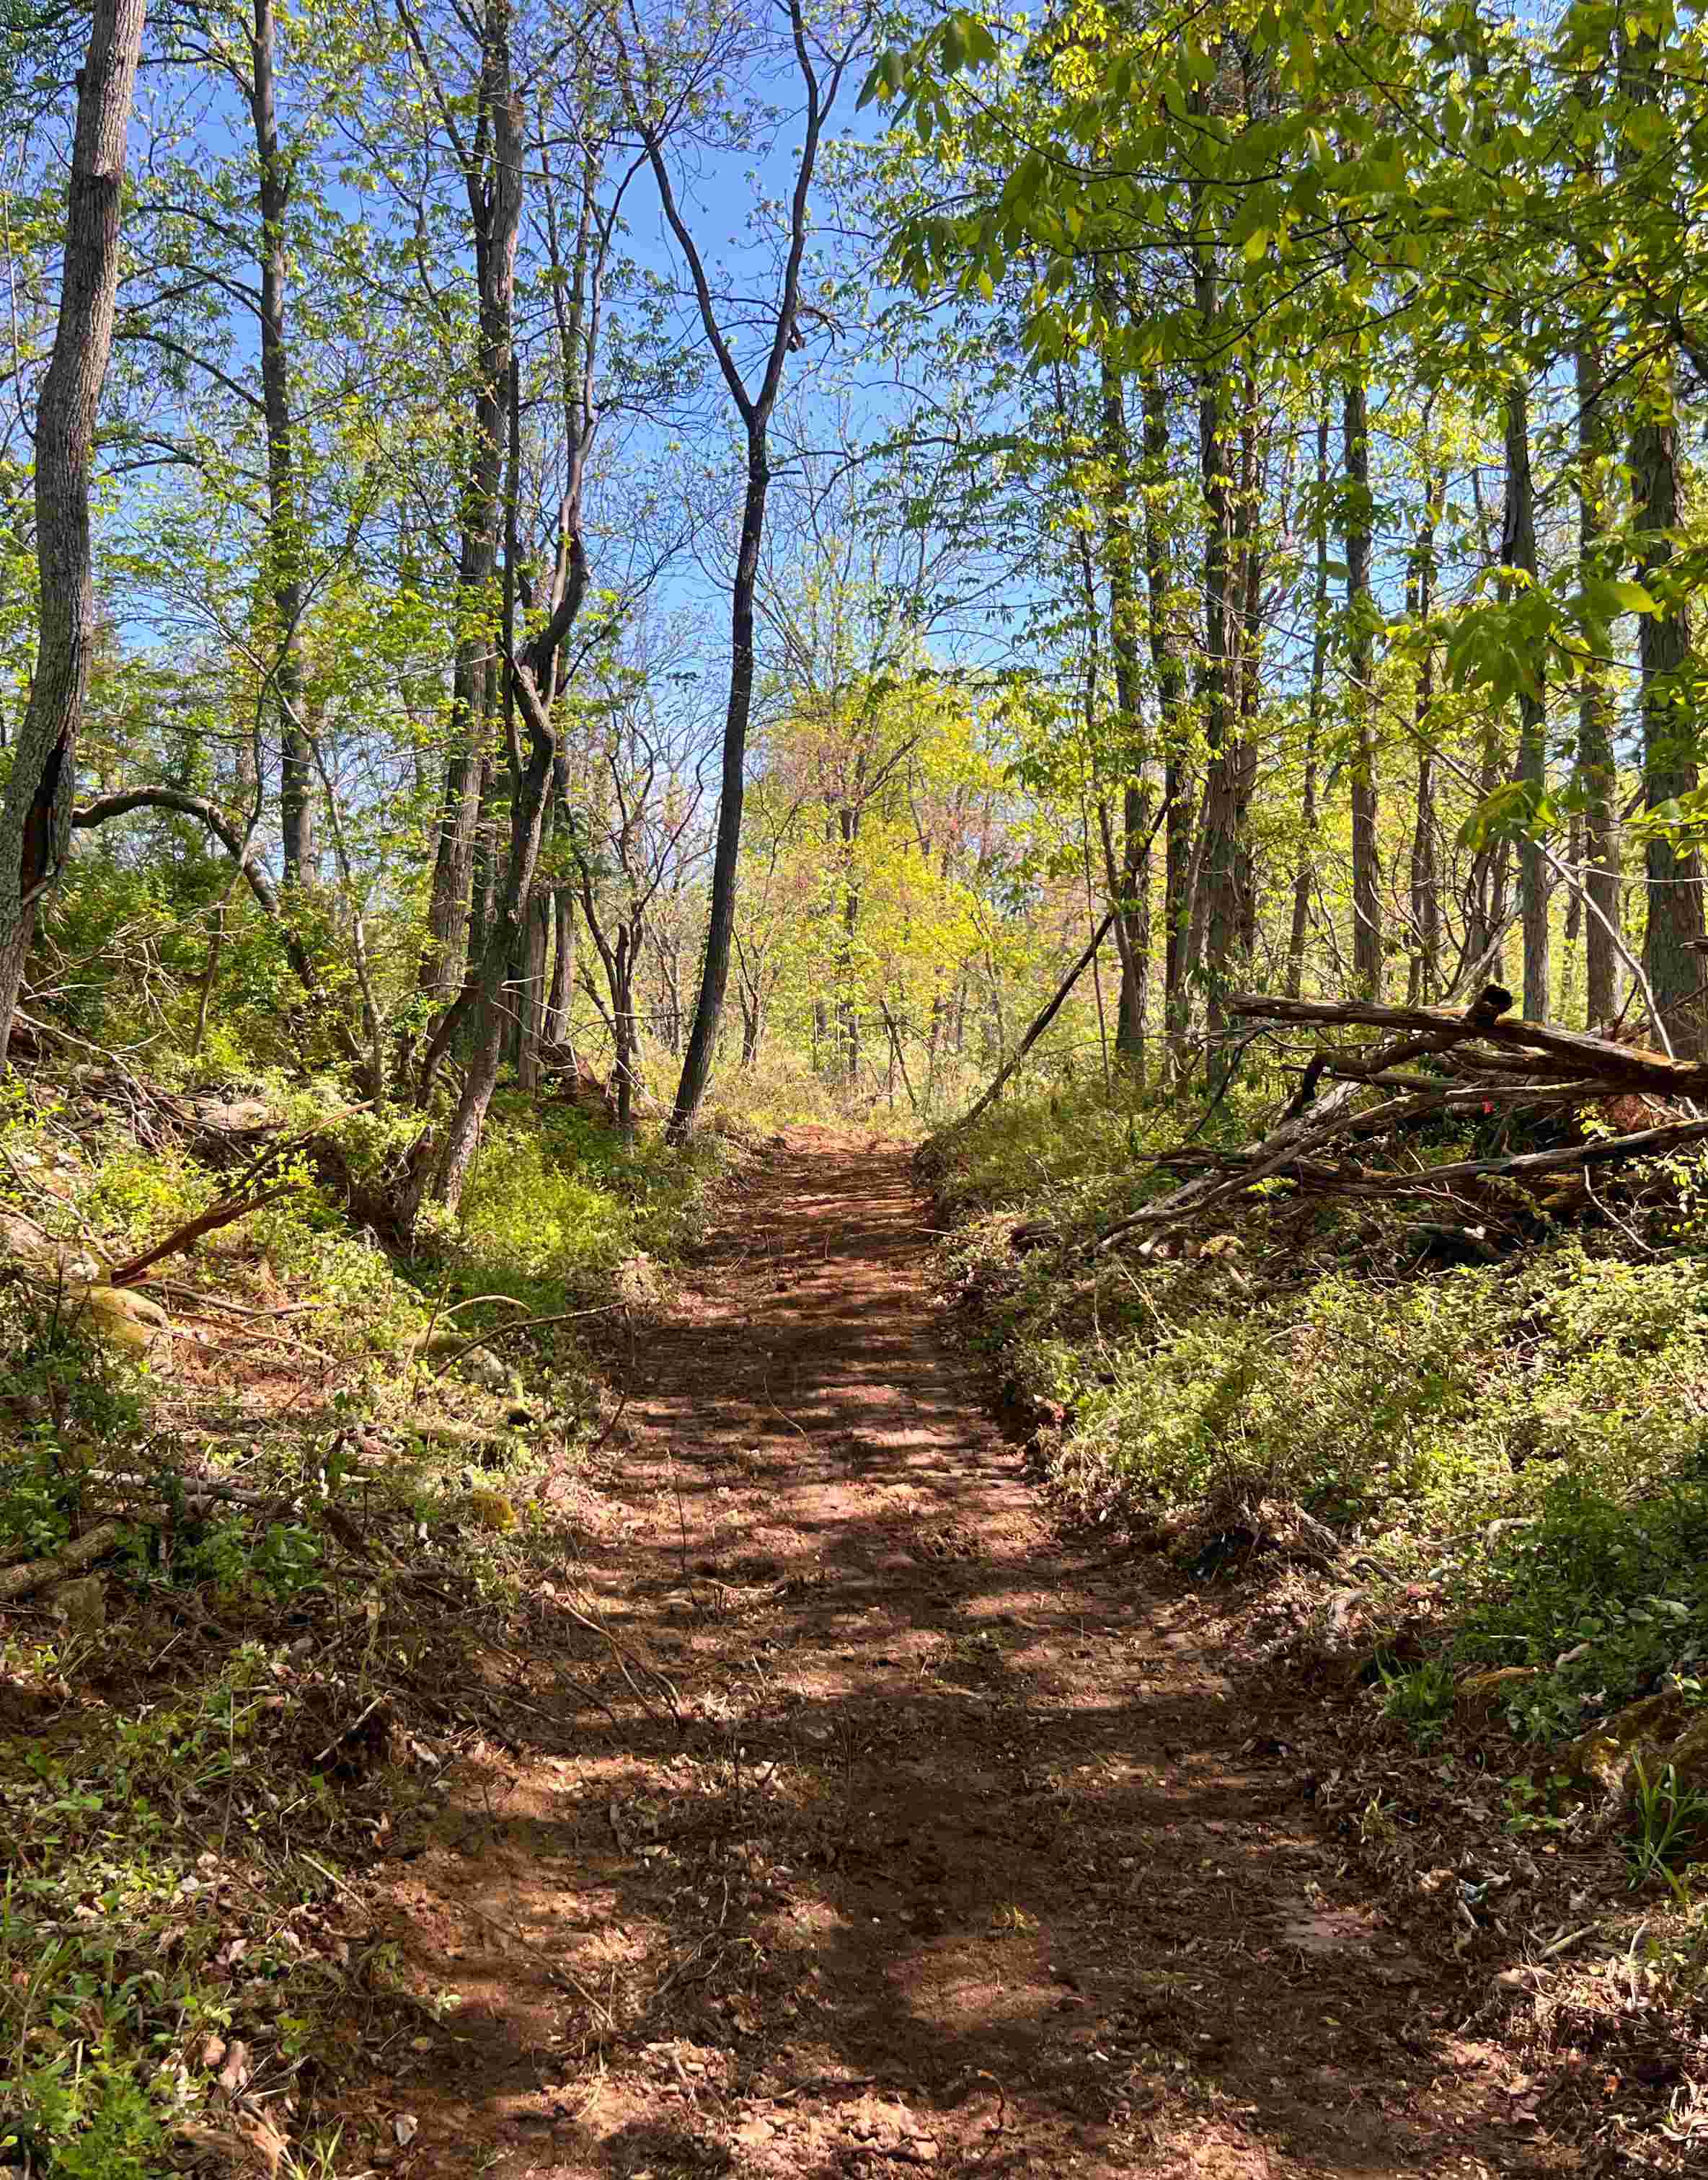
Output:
x=1237 y=474
x=580 y=585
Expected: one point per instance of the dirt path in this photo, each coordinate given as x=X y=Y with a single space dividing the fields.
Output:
x=964 y=1858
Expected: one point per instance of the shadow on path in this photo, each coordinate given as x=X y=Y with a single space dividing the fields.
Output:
x=963 y=1856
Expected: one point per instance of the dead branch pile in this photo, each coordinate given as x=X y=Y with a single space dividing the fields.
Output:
x=1428 y=1064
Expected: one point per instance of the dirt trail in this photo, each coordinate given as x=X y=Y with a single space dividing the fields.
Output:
x=964 y=1858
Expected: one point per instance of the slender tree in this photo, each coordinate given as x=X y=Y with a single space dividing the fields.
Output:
x=658 y=116
x=41 y=789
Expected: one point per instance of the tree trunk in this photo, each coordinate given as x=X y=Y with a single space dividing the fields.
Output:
x=493 y=183
x=1253 y=455
x=35 y=810
x=848 y=1008
x=1304 y=874
x=623 y=1029
x=1367 y=916
x=1518 y=550
x=819 y=92
x=1133 y=920
x=285 y=510
x=557 y=1002
x=1674 y=874
x=1669 y=767
x=443 y=1176
x=1170 y=676
x=1597 y=769
x=1423 y=982
x=531 y=992
x=1215 y=927
x=714 y=973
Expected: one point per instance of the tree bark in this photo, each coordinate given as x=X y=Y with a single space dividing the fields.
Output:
x=1518 y=551
x=1674 y=874
x=35 y=810
x=1367 y=914
x=1215 y=925
x=557 y=1022
x=1669 y=766
x=1132 y=920
x=284 y=513
x=1424 y=983
x=1304 y=874
x=1169 y=674
x=1597 y=770
x=531 y=994
x=493 y=182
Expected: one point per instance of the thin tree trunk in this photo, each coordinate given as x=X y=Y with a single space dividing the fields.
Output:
x=755 y=408
x=1304 y=875
x=1518 y=551
x=284 y=509
x=1132 y=922
x=848 y=1008
x=35 y=810
x=493 y=185
x=1040 y=1022
x=1170 y=676
x=1423 y=982
x=1215 y=927
x=1249 y=625
x=1597 y=769
x=1367 y=915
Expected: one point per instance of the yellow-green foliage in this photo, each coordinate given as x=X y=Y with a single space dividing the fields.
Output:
x=555 y=1193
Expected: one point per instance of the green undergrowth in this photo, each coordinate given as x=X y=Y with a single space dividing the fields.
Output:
x=331 y=1530
x=1512 y=1456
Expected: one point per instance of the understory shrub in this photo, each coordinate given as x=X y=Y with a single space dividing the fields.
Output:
x=1526 y=1440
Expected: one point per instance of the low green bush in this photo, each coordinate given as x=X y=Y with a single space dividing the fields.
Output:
x=1526 y=1440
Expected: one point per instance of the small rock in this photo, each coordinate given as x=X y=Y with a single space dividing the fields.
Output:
x=81 y=1605
x=1480 y=1696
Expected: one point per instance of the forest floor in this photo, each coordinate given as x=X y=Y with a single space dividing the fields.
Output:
x=890 y=1825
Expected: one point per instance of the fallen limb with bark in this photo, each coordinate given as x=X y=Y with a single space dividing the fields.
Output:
x=31 y=1575
x=1435 y=1064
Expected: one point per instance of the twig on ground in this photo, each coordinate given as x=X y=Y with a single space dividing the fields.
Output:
x=522 y=1325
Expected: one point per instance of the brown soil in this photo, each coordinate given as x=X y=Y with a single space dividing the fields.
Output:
x=960 y=1853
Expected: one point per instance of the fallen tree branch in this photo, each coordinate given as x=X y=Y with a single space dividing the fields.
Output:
x=36 y=1574
x=1531 y=1068
x=1632 y=1065
x=519 y=1324
x=1644 y=1143
x=225 y=1213
x=1041 y=1022
x=1265 y=1158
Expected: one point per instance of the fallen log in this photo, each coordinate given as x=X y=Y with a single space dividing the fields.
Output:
x=36 y=1574
x=1265 y=1158
x=1632 y=1065
x=1488 y=1063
